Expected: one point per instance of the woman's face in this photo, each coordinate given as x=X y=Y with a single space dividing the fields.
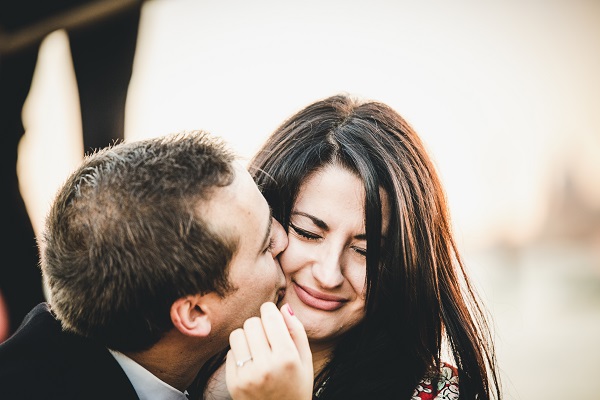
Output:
x=325 y=261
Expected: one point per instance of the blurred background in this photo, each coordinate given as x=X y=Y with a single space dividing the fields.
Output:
x=505 y=94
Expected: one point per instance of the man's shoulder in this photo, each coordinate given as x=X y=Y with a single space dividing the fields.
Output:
x=30 y=354
x=38 y=329
x=42 y=361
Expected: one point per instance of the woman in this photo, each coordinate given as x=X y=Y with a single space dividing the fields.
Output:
x=345 y=176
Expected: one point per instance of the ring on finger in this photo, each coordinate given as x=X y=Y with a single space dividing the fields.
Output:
x=242 y=362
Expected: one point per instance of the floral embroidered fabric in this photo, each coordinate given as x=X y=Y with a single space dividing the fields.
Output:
x=445 y=389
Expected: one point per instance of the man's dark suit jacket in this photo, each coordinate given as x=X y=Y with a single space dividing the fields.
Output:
x=40 y=361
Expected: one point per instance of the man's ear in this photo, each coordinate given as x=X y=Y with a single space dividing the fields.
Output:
x=191 y=315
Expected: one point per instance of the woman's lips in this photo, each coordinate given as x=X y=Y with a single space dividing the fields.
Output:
x=316 y=300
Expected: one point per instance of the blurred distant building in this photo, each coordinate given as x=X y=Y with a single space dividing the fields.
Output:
x=571 y=217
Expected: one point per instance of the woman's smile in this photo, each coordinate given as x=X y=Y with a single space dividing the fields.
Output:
x=325 y=261
x=318 y=300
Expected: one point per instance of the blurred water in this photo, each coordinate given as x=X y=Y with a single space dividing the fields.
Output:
x=545 y=303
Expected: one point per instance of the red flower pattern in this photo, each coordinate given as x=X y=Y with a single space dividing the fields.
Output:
x=446 y=388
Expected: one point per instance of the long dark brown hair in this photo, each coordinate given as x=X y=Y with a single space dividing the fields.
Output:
x=418 y=294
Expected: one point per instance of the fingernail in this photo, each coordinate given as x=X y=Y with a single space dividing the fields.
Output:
x=290 y=309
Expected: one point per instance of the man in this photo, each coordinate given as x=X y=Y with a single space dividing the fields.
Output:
x=153 y=253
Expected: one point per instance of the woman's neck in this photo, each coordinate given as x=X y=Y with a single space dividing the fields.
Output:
x=321 y=355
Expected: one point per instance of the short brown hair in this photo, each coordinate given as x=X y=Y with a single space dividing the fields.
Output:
x=125 y=237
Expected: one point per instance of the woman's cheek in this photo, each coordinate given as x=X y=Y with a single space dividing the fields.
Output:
x=291 y=258
x=288 y=258
x=358 y=280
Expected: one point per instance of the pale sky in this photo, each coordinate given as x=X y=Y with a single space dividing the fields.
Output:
x=505 y=94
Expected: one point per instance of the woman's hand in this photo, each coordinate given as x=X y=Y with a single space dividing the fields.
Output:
x=270 y=357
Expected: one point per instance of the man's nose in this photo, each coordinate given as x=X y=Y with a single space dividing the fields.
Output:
x=280 y=239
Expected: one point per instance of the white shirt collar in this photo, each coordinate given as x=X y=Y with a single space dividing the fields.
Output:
x=146 y=384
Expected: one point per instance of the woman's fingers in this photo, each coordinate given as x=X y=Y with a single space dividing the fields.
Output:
x=240 y=352
x=231 y=378
x=276 y=330
x=285 y=333
x=257 y=340
x=297 y=334
x=281 y=365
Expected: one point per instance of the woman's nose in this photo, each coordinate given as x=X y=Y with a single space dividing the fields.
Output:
x=327 y=269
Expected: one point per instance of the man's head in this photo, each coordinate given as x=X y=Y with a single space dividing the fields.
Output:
x=132 y=232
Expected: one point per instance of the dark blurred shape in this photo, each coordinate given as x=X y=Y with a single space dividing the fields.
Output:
x=26 y=22
x=103 y=37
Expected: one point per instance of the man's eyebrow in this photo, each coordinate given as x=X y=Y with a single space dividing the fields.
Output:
x=267 y=237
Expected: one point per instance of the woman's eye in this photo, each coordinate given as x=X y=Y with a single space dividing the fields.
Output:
x=361 y=251
x=304 y=234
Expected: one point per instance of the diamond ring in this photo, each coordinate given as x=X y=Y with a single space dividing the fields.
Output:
x=242 y=362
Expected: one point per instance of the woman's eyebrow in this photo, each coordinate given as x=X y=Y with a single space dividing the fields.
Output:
x=318 y=222
x=321 y=224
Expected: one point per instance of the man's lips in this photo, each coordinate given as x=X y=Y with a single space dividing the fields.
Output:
x=320 y=301
x=280 y=295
